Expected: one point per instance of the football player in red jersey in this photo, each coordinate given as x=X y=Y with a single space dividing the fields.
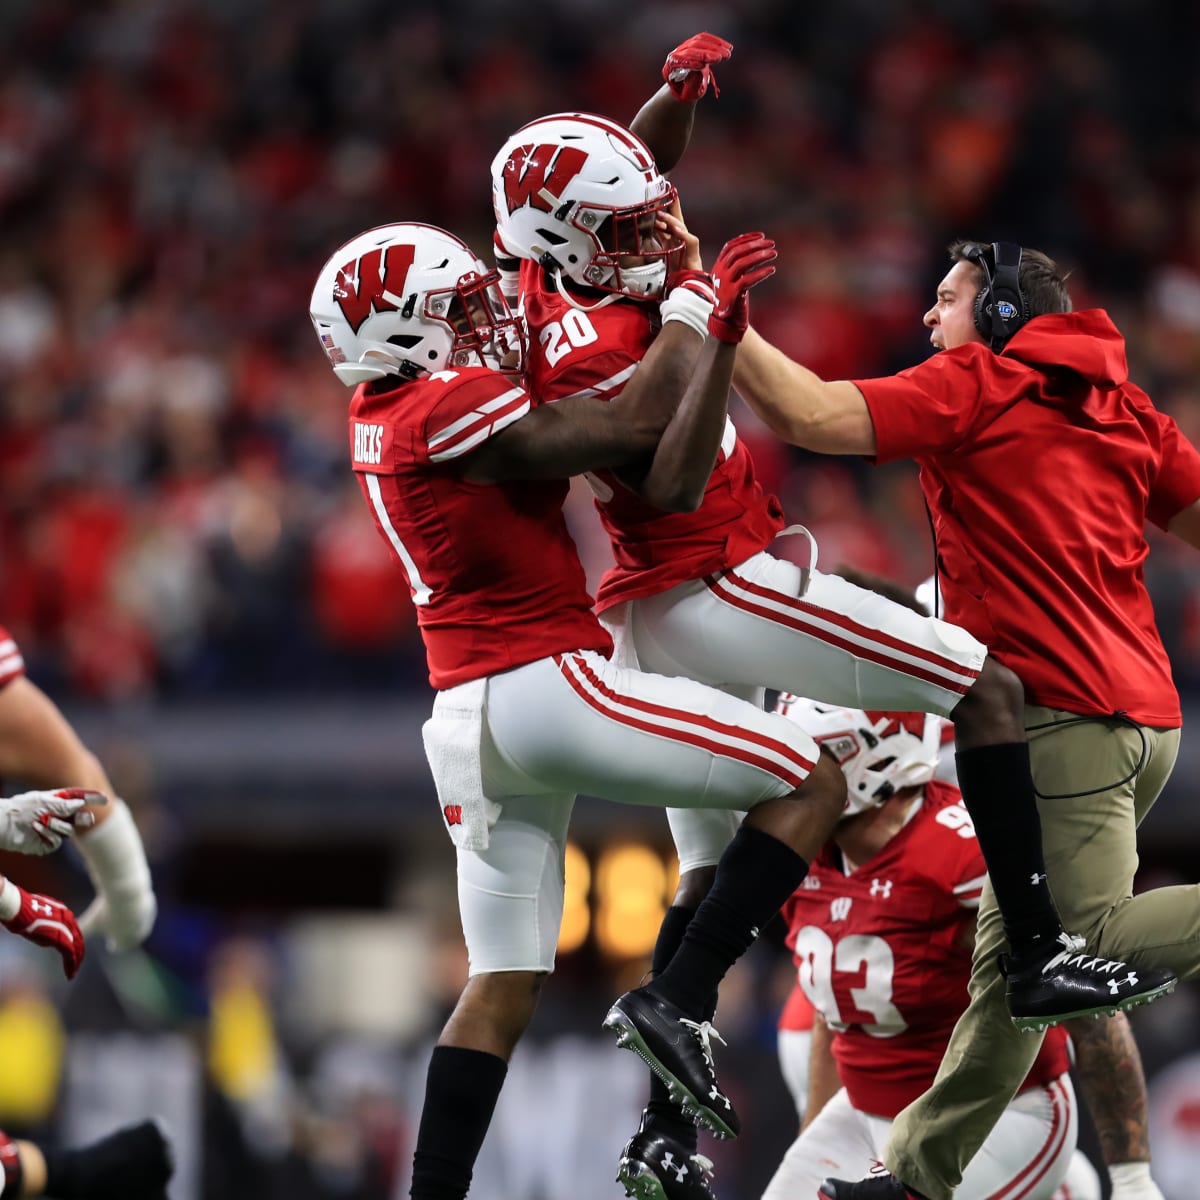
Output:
x=882 y=930
x=39 y=747
x=465 y=473
x=697 y=593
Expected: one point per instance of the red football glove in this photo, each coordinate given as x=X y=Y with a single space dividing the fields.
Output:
x=46 y=922
x=688 y=69
x=744 y=261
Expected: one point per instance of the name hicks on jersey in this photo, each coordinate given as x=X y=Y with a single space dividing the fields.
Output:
x=368 y=443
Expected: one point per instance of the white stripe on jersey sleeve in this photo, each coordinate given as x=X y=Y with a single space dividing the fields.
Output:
x=970 y=892
x=468 y=432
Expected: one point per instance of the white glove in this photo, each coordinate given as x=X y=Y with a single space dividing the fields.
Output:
x=125 y=907
x=37 y=822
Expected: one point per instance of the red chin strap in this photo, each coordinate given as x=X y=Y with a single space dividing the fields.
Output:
x=10 y=1162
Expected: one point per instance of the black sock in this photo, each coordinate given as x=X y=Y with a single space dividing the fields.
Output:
x=756 y=874
x=461 y=1091
x=662 y=1114
x=997 y=789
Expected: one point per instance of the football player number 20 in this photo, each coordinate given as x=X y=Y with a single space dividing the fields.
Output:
x=559 y=338
x=868 y=957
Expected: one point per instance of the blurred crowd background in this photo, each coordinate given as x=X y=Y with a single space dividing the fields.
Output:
x=189 y=570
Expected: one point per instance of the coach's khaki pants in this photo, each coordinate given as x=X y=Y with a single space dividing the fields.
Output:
x=1091 y=857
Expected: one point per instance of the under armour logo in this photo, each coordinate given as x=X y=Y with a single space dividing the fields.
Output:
x=1035 y=879
x=1115 y=985
x=679 y=1170
x=39 y=906
x=881 y=887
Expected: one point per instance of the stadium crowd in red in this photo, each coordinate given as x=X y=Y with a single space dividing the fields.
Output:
x=177 y=513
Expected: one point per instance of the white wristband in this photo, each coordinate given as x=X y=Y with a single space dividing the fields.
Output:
x=683 y=304
x=10 y=900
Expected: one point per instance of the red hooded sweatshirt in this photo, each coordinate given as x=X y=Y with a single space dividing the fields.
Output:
x=1041 y=466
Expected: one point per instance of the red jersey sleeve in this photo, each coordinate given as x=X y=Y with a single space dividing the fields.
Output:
x=446 y=416
x=952 y=860
x=1178 y=481
x=929 y=408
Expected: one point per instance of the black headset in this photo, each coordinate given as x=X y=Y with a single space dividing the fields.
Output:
x=1000 y=308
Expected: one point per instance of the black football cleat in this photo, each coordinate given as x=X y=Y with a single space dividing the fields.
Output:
x=134 y=1163
x=656 y=1166
x=1073 y=983
x=879 y=1187
x=677 y=1050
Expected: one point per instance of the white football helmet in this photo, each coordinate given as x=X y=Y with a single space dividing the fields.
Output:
x=879 y=752
x=579 y=194
x=408 y=299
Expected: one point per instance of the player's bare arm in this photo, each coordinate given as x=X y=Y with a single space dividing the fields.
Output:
x=687 y=453
x=664 y=122
x=1113 y=1084
x=799 y=406
x=823 y=1078
x=39 y=747
x=584 y=434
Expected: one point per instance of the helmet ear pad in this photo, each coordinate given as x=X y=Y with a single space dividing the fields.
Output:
x=1000 y=306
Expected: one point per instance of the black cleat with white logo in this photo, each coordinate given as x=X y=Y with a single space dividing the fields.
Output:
x=881 y=1187
x=656 y=1166
x=1074 y=983
x=677 y=1050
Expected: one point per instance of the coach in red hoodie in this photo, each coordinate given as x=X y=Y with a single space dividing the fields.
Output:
x=1040 y=463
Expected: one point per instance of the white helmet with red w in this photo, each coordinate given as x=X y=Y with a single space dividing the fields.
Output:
x=408 y=299
x=579 y=194
x=880 y=753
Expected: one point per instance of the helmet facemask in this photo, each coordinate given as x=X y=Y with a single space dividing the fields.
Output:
x=631 y=258
x=484 y=331
x=407 y=300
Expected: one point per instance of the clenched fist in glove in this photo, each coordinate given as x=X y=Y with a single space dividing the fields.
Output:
x=744 y=261
x=43 y=921
x=37 y=822
x=688 y=69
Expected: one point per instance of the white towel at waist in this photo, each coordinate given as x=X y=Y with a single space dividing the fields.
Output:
x=453 y=739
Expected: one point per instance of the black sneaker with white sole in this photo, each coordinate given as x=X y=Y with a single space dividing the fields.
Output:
x=678 y=1051
x=881 y=1187
x=1073 y=983
x=656 y=1166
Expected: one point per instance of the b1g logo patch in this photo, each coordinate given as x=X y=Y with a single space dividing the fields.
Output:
x=370 y=444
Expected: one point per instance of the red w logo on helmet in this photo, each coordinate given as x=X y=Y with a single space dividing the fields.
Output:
x=358 y=300
x=530 y=170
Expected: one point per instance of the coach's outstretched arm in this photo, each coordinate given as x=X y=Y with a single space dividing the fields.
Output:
x=799 y=406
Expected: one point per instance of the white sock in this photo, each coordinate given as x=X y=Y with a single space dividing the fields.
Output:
x=1131 y=1181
